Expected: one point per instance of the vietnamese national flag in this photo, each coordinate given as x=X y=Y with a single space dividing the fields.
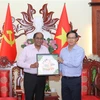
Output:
x=62 y=29
x=8 y=45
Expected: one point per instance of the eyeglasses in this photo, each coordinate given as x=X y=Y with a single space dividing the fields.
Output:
x=71 y=37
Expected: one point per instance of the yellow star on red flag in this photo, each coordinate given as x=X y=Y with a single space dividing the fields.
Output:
x=62 y=37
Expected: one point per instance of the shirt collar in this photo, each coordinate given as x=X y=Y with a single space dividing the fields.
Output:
x=75 y=47
x=35 y=47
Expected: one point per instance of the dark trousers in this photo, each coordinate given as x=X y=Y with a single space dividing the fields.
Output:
x=34 y=86
x=71 y=88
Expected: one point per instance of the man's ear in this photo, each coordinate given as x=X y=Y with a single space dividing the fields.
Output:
x=33 y=40
x=77 y=39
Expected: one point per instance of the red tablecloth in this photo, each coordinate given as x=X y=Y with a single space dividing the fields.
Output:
x=90 y=98
x=8 y=98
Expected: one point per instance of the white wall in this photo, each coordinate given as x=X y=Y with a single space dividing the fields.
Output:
x=79 y=13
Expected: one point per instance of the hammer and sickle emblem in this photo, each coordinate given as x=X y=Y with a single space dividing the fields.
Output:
x=9 y=41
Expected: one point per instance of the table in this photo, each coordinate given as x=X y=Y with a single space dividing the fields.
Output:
x=51 y=98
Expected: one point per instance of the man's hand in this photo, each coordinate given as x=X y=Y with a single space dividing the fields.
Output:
x=60 y=60
x=35 y=65
x=60 y=73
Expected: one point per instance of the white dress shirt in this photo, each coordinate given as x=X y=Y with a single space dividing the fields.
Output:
x=28 y=57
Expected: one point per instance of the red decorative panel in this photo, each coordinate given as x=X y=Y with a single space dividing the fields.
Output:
x=8 y=98
x=85 y=81
x=4 y=83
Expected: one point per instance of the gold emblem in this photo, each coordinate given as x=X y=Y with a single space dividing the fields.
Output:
x=9 y=41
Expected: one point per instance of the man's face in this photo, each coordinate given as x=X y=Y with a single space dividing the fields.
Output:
x=72 y=39
x=38 y=40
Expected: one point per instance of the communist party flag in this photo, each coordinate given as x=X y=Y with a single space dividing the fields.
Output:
x=62 y=29
x=8 y=45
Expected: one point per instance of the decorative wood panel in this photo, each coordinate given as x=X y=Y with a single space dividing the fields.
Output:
x=95 y=4
x=98 y=31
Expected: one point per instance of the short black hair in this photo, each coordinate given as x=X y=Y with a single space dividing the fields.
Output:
x=72 y=31
x=36 y=34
